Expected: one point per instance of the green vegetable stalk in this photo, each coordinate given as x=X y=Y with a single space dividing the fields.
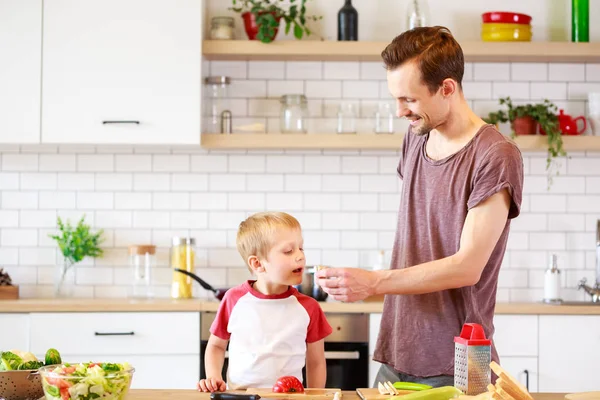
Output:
x=441 y=393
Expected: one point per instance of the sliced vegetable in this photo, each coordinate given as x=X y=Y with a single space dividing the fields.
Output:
x=31 y=365
x=411 y=386
x=441 y=393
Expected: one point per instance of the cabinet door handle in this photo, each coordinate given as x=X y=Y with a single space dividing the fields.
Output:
x=114 y=333
x=120 y=122
x=526 y=372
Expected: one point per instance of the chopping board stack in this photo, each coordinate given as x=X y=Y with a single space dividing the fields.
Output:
x=506 y=388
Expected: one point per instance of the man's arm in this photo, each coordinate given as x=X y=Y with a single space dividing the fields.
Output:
x=316 y=368
x=482 y=229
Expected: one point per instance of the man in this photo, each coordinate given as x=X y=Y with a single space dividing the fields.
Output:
x=462 y=183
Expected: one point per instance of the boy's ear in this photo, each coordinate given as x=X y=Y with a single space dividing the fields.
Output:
x=255 y=264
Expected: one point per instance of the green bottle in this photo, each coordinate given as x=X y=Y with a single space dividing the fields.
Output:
x=580 y=27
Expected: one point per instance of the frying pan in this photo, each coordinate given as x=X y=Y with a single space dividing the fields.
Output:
x=219 y=293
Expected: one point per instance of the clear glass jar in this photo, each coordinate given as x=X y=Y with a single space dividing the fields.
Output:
x=347 y=114
x=183 y=256
x=417 y=14
x=142 y=259
x=222 y=28
x=294 y=113
x=384 y=118
x=216 y=104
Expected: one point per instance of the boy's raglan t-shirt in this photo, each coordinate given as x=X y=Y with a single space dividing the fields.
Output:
x=267 y=334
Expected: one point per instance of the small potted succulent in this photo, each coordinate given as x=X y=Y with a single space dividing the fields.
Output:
x=526 y=119
x=75 y=244
x=262 y=18
x=8 y=291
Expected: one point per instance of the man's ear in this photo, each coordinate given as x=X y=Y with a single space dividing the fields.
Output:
x=449 y=87
x=255 y=264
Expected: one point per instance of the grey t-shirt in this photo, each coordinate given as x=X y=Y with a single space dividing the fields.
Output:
x=417 y=331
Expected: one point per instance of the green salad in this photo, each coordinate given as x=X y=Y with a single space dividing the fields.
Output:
x=86 y=381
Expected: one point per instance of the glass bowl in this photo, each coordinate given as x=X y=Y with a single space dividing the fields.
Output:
x=78 y=381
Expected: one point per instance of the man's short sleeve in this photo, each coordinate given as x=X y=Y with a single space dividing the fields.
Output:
x=501 y=168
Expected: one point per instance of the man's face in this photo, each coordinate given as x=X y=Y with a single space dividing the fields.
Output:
x=424 y=110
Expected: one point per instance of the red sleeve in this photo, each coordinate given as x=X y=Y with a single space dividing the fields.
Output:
x=219 y=325
x=318 y=327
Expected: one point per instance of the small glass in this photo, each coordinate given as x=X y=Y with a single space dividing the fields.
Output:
x=142 y=259
x=183 y=257
x=222 y=28
x=217 y=101
x=346 y=122
x=384 y=119
x=294 y=112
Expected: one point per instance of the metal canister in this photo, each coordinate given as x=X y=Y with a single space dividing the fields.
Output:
x=182 y=256
x=472 y=358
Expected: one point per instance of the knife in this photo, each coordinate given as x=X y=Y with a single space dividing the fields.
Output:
x=233 y=396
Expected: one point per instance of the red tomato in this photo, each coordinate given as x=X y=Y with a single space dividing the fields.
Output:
x=288 y=384
x=59 y=383
x=68 y=370
x=64 y=394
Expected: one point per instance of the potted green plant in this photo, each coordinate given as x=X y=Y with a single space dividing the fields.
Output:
x=262 y=18
x=525 y=120
x=75 y=243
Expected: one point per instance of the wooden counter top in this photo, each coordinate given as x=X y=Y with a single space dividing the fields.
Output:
x=198 y=305
x=140 y=394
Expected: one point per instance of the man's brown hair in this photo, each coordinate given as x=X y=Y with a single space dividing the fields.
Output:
x=434 y=49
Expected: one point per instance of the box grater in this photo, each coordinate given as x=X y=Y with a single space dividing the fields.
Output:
x=472 y=357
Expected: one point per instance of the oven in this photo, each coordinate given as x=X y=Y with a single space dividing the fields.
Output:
x=346 y=350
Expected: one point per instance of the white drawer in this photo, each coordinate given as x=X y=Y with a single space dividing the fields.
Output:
x=374 y=323
x=153 y=372
x=14 y=334
x=116 y=333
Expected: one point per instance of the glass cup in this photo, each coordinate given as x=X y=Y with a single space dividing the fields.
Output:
x=346 y=118
x=384 y=118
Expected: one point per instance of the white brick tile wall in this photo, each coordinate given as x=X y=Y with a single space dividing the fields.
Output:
x=280 y=88
x=341 y=70
x=303 y=70
x=529 y=72
x=566 y=72
x=57 y=162
x=491 y=72
x=346 y=201
x=266 y=70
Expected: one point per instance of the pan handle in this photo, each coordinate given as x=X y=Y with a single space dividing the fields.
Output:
x=195 y=277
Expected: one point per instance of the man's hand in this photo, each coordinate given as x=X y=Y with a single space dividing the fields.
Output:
x=348 y=284
x=212 y=385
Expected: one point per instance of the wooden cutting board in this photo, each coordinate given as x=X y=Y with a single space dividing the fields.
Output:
x=583 y=396
x=373 y=394
x=323 y=394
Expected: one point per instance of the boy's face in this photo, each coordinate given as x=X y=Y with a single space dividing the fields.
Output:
x=285 y=261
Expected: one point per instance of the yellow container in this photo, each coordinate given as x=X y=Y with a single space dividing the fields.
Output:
x=183 y=257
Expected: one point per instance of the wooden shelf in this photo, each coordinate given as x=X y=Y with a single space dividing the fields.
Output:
x=312 y=50
x=393 y=142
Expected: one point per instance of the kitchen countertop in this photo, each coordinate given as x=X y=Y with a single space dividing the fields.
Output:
x=198 y=305
x=140 y=394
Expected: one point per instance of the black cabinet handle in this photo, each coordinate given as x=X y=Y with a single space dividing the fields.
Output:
x=114 y=333
x=120 y=122
x=526 y=372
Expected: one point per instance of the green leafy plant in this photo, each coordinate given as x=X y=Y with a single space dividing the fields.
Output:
x=543 y=113
x=268 y=12
x=75 y=244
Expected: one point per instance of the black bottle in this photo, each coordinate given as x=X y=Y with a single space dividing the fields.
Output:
x=348 y=22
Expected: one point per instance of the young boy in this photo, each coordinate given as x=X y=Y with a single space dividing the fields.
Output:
x=271 y=328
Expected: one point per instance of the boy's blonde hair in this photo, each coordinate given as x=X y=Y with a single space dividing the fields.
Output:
x=256 y=234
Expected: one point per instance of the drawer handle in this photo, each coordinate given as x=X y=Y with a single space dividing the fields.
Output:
x=120 y=122
x=526 y=372
x=114 y=333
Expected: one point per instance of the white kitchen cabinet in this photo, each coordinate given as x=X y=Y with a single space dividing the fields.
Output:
x=119 y=71
x=153 y=372
x=516 y=335
x=524 y=369
x=569 y=351
x=20 y=70
x=163 y=347
x=14 y=334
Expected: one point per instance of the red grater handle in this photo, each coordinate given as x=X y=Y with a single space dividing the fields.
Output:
x=472 y=335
